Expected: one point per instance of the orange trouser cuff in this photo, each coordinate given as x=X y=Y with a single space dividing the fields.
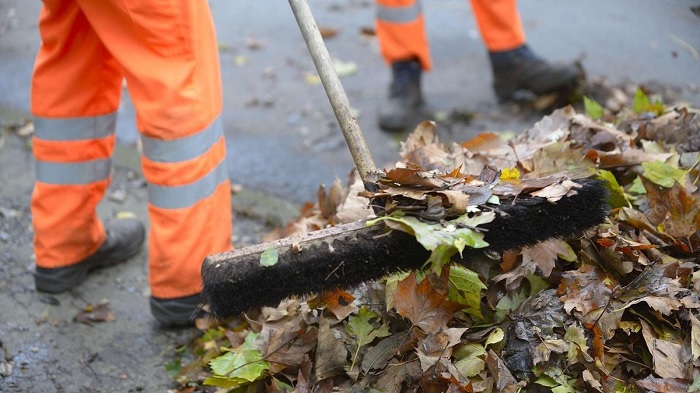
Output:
x=208 y=226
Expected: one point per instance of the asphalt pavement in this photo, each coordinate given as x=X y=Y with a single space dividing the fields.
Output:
x=283 y=143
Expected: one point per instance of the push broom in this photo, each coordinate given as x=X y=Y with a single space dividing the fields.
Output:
x=347 y=255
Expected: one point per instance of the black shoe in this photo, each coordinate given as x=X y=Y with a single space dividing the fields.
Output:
x=520 y=70
x=176 y=312
x=124 y=240
x=405 y=99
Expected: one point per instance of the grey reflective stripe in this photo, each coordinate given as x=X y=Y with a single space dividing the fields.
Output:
x=73 y=173
x=74 y=128
x=182 y=149
x=399 y=14
x=178 y=197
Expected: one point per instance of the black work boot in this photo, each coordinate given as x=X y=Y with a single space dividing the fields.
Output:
x=520 y=70
x=124 y=240
x=177 y=312
x=405 y=98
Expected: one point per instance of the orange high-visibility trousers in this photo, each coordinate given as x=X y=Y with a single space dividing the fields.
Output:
x=401 y=28
x=167 y=53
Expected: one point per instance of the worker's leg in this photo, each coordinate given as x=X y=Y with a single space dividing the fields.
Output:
x=404 y=45
x=515 y=67
x=75 y=93
x=499 y=23
x=170 y=60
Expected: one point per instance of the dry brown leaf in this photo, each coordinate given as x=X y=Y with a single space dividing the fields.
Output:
x=663 y=385
x=423 y=305
x=95 y=313
x=674 y=209
x=671 y=360
x=586 y=289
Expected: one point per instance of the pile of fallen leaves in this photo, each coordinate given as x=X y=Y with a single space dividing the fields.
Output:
x=616 y=310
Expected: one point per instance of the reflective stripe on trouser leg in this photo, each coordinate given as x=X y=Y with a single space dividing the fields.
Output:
x=401 y=31
x=499 y=23
x=170 y=60
x=72 y=173
x=189 y=206
x=76 y=86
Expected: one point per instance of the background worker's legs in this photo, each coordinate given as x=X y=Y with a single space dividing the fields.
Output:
x=170 y=60
x=404 y=45
x=515 y=67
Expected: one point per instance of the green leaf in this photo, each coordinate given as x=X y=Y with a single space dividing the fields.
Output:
x=496 y=336
x=642 y=104
x=616 y=194
x=469 y=360
x=173 y=368
x=637 y=187
x=546 y=381
x=465 y=288
x=593 y=109
x=663 y=174
x=363 y=331
x=443 y=240
x=269 y=257
x=244 y=363
x=509 y=303
x=224 y=382
x=537 y=284
x=470 y=366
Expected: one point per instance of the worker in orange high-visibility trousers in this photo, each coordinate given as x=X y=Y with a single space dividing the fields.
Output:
x=167 y=53
x=401 y=33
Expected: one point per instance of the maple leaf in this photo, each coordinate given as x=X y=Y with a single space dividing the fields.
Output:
x=239 y=366
x=586 y=289
x=545 y=255
x=674 y=210
x=423 y=305
x=363 y=331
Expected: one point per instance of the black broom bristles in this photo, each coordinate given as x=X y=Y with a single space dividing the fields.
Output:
x=235 y=286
